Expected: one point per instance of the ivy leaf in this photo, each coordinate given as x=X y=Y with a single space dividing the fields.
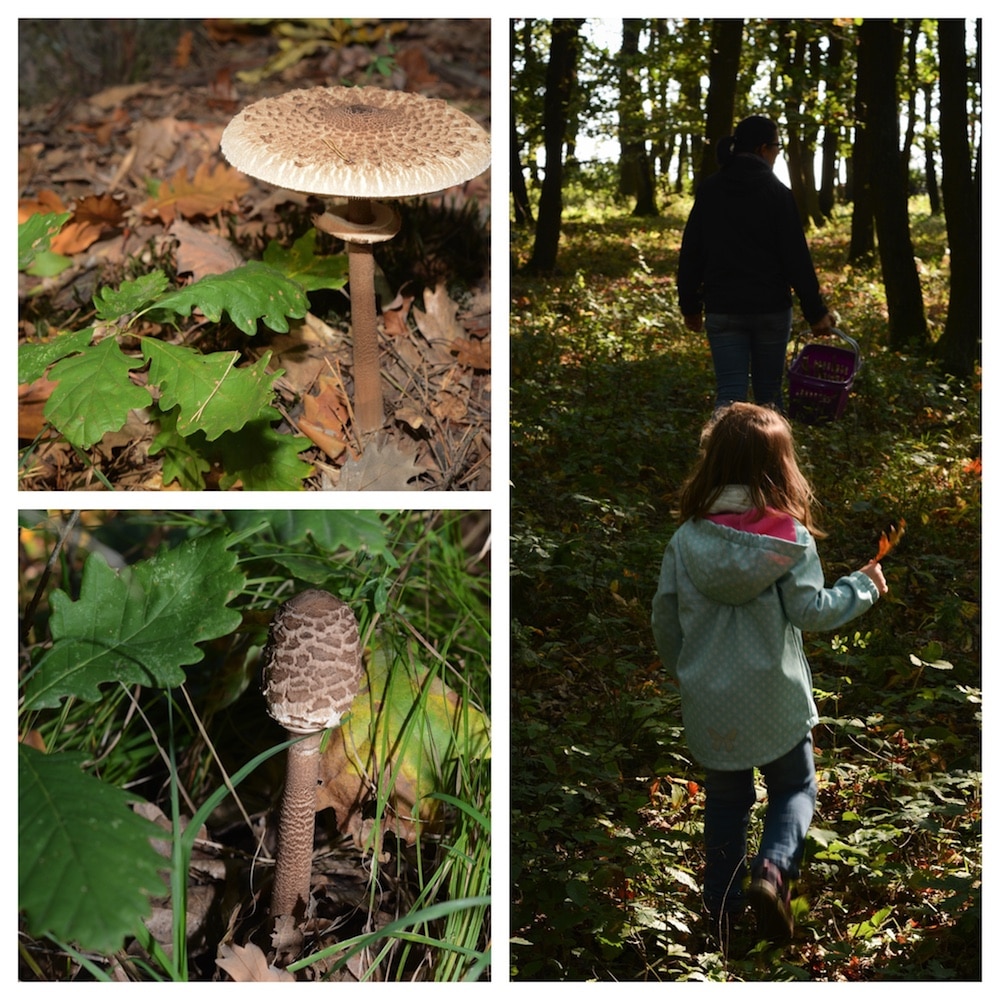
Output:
x=33 y=359
x=212 y=394
x=140 y=625
x=94 y=394
x=85 y=863
x=301 y=264
x=248 y=293
x=130 y=296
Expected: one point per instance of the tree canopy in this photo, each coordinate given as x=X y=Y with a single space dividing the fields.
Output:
x=872 y=112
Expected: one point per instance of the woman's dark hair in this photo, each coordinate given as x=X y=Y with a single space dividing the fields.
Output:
x=749 y=445
x=750 y=135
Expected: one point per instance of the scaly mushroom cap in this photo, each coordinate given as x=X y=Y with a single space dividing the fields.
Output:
x=312 y=662
x=361 y=142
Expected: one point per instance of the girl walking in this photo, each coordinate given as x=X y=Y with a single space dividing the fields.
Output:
x=740 y=579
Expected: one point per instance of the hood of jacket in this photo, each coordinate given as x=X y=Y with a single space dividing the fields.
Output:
x=730 y=566
x=746 y=171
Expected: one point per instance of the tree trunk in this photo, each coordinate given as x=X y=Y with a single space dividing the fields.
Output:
x=518 y=186
x=878 y=59
x=635 y=171
x=859 y=169
x=831 y=133
x=723 y=71
x=559 y=78
x=959 y=346
x=930 y=167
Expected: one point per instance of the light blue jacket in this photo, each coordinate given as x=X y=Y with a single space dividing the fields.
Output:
x=728 y=617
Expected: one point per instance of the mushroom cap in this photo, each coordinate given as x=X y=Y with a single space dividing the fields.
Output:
x=362 y=142
x=312 y=662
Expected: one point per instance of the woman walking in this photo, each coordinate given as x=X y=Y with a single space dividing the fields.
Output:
x=742 y=255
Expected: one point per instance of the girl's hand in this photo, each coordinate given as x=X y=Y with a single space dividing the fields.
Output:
x=873 y=570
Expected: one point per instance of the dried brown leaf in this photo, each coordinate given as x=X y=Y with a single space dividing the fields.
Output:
x=248 y=964
x=207 y=193
x=888 y=542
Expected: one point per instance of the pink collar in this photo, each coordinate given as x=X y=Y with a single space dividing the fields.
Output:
x=771 y=522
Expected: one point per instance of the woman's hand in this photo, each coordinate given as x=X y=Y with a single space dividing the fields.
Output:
x=694 y=323
x=824 y=324
x=873 y=570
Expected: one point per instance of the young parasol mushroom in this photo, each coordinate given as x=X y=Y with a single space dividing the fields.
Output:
x=362 y=143
x=312 y=671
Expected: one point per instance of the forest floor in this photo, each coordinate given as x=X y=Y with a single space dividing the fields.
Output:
x=609 y=394
x=119 y=125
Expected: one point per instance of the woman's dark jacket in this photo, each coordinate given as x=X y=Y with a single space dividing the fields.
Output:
x=743 y=249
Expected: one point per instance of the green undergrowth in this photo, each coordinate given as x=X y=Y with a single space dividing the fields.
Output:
x=139 y=690
x=609 y=392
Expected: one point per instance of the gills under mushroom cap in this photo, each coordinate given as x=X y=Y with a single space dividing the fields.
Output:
x=362 y=142
x=312 y=662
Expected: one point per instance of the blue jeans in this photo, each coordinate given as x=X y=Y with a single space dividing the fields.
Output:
x=729 y=797
x=749 y=349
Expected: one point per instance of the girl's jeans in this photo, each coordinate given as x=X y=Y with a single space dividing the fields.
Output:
x=748 y=348
x=729 y=797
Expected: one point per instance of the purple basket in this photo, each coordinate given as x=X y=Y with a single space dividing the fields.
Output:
x=820 y=378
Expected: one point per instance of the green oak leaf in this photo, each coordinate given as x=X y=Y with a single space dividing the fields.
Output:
x=137 y=626
x=94 y=394
x=35 y=234
x=183 y=458
x=86 y=867
x=33 y=359
x=248 y=293
x=280 y=535
x=301 y=264
x=212 y=395
x=257 y=457
x=131 y=296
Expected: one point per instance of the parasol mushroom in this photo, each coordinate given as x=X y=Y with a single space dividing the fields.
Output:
x=362 y=143
x=312 y=671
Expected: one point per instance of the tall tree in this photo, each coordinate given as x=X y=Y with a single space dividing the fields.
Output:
x=960 y=190
x=723 y=71
x=879 y=53
x=635 y=169
x=801 y=128
x=831 y=130
x=559 y=79
x=860 y=167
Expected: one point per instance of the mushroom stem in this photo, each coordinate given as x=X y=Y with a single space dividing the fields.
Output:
x=368 y=409
x=295 y=831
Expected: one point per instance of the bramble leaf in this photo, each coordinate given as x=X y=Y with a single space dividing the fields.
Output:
x=94 y=394
x=212 y=395
x=248 y=293
x=85 y=863
x=137 y=626
x=301 y=264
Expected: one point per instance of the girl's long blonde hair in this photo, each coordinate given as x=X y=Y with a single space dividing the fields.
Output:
x=752 y=446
